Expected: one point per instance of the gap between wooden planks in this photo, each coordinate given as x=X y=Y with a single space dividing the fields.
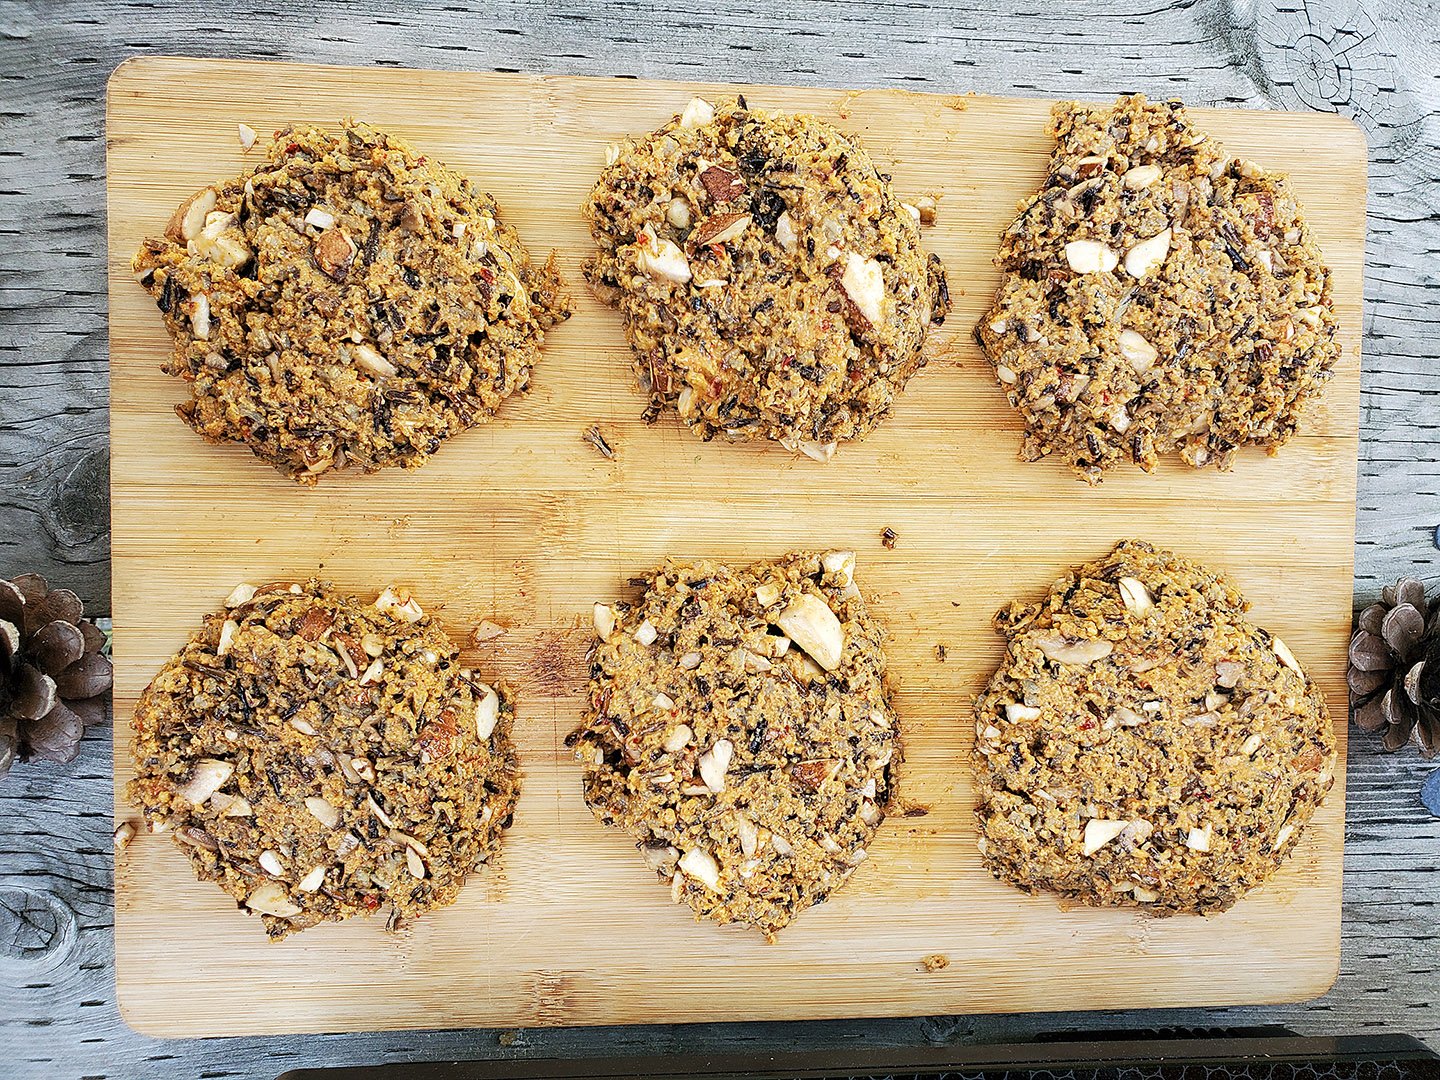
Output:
x=520 y=522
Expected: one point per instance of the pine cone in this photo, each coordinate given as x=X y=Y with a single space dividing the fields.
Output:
x=53 y=677
x=1394 y=674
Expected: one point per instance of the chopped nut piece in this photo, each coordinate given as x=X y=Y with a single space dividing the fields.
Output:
x=1099 y=832
x=1063 y=651
x=247 y=136
x=198 y=308
x=400 y=605
x=379 y=812
x=334 y=252
x=231 y=805
x=720 y=229
x=1138 y=600
x=715 y=763
x=754 y=662
x=207 y=777
x=271 y=898
x=1090 y=257
x=645 y=633
x=721 y=185
x=1198 y=839
x=864 y=283
x=821 y=452
x=414 y=863
x=841 y=563
x=241 y=594
x=271 y=864
x=319 y=217
x=189 y=217
x=1286 y=656
x=487 y=711
x=311 y=881
x=124 y=833
x=604 y=621
x=1015 y=712
x=785 y=234
x=698 y=112
x=370 y=360
x=749 y=835
x=1137 y=350
x=701 y=866
x=678 y=214
x=678 y=739
x=486 y=631
x=323 y=811
x=810 y=623
x=1141 y=176
x=662 y=258
x=1148 y=255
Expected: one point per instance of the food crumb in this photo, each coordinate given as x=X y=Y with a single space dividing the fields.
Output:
x=247 y=136
x=936 y=962
x=124 y=833
x=597 y=440
x=486 y=631
x=941 y=652
x=507 y=1038
x=888 y=537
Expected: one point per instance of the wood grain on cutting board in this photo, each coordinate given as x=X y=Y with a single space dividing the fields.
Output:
x=522 y=523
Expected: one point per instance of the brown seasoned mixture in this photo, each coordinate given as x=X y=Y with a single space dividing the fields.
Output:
x=1158 y=297
x=739 y=726
x=318 y=758
x=772 y=284
x=348 y=301
x=1144 y=742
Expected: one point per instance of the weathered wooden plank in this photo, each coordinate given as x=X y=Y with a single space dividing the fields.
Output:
x=1373 y=62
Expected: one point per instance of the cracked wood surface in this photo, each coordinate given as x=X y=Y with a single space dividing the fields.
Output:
x=1375 y=63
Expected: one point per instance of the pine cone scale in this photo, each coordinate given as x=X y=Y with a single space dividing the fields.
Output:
x=53 y=674
x=56 y=646
x=1394 y=670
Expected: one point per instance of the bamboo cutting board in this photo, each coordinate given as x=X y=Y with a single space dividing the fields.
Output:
x=522 y=523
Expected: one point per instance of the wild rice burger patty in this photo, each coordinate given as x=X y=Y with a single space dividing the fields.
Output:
x=1144 y=742
x=346 y=301
x=772 y=284
x=739 y=726
x=318 y=758
x=1158 y=297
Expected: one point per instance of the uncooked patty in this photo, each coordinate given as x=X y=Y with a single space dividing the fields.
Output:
x=1144 y=742
x=317 y=757
x=772 y=284
x=1158 y=297
x=349 y=301
x=739 y=726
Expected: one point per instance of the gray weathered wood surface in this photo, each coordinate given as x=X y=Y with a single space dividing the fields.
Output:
x=1375 y=62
